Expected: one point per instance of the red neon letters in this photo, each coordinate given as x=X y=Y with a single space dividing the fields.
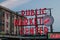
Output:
x=31 y=21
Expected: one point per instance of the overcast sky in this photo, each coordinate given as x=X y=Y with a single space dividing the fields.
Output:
x=17 y=5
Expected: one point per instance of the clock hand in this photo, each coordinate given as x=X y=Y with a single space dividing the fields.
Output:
x=46 y=20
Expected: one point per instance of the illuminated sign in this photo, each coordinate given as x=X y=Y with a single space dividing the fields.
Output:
x=55 y=35
x=33 y=20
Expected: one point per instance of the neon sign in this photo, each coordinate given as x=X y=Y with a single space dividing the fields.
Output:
x=54 y=35
x=36 y=21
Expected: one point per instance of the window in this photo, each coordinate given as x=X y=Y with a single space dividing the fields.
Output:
x=7 y=24
x=7 y=32
x=3 y=14
x=2 y=28
x=7 y=15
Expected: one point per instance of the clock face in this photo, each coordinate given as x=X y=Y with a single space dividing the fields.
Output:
x=48 y=20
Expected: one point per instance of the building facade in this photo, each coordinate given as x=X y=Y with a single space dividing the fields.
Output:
x=7 y=21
